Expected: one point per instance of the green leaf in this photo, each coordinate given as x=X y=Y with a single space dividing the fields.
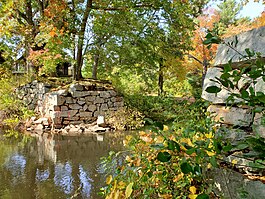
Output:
x=209 y=35
x=203 y=196
x=159 y=125
x=186 y=168
x=225 y=76
x=213 y=89
x=218 y=146
x=242 y=146
x=261 y=97
x=223 y=82
x=211 y=39
x=255 y=74
x=244 y=94
x=197 y=170
x=163 y=156
x=158 y=146
x=251 y=90
x=249 y=52
x=190 y=151
x=227 y=148
x=258 y=109
x=172 y=145
x=213 y=161
x=256 y=165
x=227 y=68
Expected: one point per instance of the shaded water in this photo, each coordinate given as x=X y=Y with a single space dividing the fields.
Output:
x=54 y=166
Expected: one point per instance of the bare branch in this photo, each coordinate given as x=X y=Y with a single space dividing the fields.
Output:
x=195 y=58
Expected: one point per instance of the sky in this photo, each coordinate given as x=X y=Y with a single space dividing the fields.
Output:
x=252 y=9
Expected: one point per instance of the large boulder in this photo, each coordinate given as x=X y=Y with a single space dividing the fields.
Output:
x=231 y=115
x=219 y=98
x=253 y=40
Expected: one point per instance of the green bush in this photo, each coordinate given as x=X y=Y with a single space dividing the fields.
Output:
x=125 y=119
x=168 y=162
x=14 y=109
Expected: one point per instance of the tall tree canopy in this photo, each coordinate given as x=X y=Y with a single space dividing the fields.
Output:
x=143 y=33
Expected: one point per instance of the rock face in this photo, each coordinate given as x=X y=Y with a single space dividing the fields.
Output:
x=236 y=115
x=230 y=184
x=253 y=39
x=232 y=115
x=219 y=98
x=74 y=105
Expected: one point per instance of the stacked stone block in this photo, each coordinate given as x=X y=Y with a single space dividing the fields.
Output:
x=238 y=115
x=33 y=94
x=74 y=105
x=78 y=105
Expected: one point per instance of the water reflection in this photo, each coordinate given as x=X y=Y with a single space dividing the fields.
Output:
x=52 y=166
x=16 y=164
x=42 y=175
x=86 y=182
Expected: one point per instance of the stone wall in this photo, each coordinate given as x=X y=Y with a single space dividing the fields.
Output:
x=75 y=104
x=33 y=94
x=238 y=115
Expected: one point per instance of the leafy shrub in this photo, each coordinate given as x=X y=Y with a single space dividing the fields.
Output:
x=167 y=163
x=125 y=119
x=13 y=108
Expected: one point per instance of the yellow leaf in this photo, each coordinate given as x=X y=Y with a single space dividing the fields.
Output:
x=192 y=196
x=234 y=161
x=209 y=166
x=121 y=185
x=187 y=141
x=146 y=138
x=159 y=139
x=192 y=189
x=210 y=153
x=128 y=159
x=52 y=33
x=109 y=179
x=117 y=194
x=165 y=196
x=129 y=190
x=178 y=177
x=209 y=135
x=142 y=133
x=165 y=128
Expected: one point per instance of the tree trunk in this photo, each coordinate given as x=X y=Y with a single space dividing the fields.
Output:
x=204 y=70
x=160 y=80
x=81 y=35
x=95 y=66
x=205 y=64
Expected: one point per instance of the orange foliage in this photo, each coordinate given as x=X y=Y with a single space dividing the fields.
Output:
x=243 y=27
x=259 y=21
x=53 y=32
x=206 y=22
x=201 y=52
x=55 y=8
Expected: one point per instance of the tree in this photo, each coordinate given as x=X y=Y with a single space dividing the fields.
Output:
x=201 y=55
x=26 y=27
x=48 y=29
x=144 y=38
x=228 y=11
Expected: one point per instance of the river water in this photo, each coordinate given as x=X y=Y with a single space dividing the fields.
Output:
x=54 y=166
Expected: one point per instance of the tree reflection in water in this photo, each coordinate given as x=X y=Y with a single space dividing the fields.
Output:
x=53 y=166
